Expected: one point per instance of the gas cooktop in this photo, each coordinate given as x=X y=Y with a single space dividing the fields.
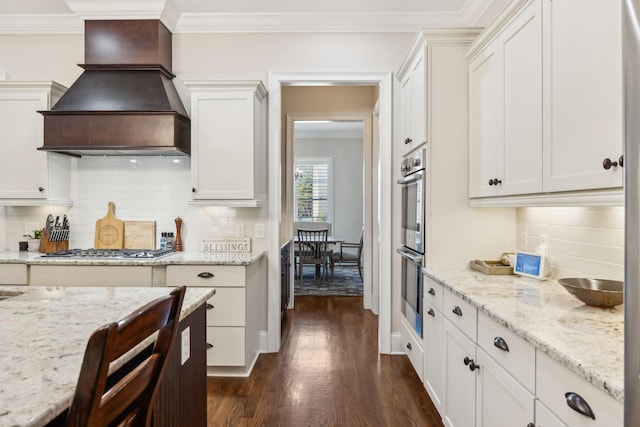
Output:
x=110 y=253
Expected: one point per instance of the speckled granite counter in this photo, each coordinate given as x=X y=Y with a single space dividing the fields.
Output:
x=587 y=340
x=44 y=334
x=212 y=258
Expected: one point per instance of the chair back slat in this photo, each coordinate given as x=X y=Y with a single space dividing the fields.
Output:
x=129 y=393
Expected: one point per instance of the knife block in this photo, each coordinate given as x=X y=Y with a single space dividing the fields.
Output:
x=47 y=246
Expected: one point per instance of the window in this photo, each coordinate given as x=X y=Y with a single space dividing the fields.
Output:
x=313 y=189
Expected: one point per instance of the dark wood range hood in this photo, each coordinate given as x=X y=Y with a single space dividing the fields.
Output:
x=124 y=103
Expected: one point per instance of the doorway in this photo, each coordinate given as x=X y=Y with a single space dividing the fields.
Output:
x=338 y=147
x=379 y=226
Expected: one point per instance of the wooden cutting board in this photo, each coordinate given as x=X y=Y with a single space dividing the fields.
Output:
x=109 y=231
x=139 y=234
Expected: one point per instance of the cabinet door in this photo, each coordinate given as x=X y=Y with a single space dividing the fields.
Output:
x=582 y=93
x=501 y=400
x=434 y=357
x=419 y=99
x=23 y=169
x=407 y=143
x=223 y=145
x=546 y=418
x=521 y=45
x=486 y=144
x=460 y=381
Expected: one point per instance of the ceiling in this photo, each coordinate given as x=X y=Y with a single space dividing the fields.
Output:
x=66 y=16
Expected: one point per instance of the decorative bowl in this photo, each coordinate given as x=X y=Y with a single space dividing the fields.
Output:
x=595 y=292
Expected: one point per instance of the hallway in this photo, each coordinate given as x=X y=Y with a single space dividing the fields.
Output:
x=327 y=373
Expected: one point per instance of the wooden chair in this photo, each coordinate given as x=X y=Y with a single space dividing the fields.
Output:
x=312 y=249
x=126 y=397
x=349 y=258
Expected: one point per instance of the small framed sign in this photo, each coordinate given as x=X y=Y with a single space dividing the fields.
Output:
x=213 y=244
x=532 y=265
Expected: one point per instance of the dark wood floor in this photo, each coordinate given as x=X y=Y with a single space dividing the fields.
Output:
x=327 y=373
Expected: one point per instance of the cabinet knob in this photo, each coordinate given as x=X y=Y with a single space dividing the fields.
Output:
x=210 y=306
x=500 y=343
x=466 y=360
x=205 y=275
x=457 y=310
x=41 y=189
x=495 y=181
x=408 y=346
x=531 y=425
x=193 y=190
x=607 y=163
x=621 y=161
x=209 y=346
x=578 y=404
x=471 y=364
x=431 y=313
x=408 y=141
x=432 y=291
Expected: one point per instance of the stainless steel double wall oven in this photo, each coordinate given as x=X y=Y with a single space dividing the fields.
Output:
x=413 y=236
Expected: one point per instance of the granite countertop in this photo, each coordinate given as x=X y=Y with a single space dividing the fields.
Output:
x=177 y=258
x=44 y=334
x=547 y=316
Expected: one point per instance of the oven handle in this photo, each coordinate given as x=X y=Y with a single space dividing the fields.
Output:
x=416 y=259
x=416 y=176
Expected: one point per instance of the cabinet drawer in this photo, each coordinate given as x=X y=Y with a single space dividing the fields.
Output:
x=433 y=293
x=518 y=356
x=413 y=348
x=90 y=275
x=13 y=274
x=546 y=418
x=554 y=380
x=227 y=307
x=225 y=346
x=205 y=275
x=461 y=314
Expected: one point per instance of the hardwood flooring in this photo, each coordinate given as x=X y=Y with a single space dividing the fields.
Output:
x=328 y=373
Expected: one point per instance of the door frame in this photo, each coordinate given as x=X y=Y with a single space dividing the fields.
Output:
x=385 y=83
x=367 y=191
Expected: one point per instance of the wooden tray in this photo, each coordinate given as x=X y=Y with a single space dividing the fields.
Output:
x=490 y=267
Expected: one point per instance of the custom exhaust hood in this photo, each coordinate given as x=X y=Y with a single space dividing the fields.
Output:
x=124 y=103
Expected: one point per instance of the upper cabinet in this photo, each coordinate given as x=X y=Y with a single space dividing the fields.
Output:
x=413 y=98
x=505 y=96
x=30 y=177
x=228 y=143
x=545 y=116
x=583 y=108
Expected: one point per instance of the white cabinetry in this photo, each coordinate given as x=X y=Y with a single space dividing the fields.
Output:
x=434 y=344
x=28 y=176
x=412 y=346
x=95 y=275
x=228 y=143
x=505 y=114
x=233 y=313
x=583 y=96
x=413 y=121
x=13 y=274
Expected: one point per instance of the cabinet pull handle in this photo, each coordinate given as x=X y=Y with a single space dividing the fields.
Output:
x=432 y=291
x=409 y=346
x=500 y=343
x=456 y=310
x=431 y=312
x=193 y=190
x=205 y=275
x=607 y=163
x=209 y=346
x=408 y=141
x=578 y=404
x=210 y=306
x=41 y=189
x=621 y=161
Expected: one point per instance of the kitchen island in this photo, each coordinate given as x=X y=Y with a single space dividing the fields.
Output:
x=44 y=334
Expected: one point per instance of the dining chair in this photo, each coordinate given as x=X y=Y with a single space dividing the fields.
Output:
x=350 y=258
x=312 y=250
x=126 y=397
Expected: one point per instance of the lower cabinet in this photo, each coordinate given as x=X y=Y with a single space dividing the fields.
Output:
x=233 y=313
x=546 y=418
x=14 y=274
x=412 y=347
x=95 y=275
x=434 y=355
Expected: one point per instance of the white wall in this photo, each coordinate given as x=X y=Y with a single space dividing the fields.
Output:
x=347 y=158
x=583 y=242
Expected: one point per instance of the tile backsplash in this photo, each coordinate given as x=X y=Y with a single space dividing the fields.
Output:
x=142 y=188
x=583 y=241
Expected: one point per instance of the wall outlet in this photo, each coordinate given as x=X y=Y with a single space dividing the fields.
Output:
x=259 y=231
x=240 y=230
x=524 y=241
x=185 y=345
x=544 y=240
